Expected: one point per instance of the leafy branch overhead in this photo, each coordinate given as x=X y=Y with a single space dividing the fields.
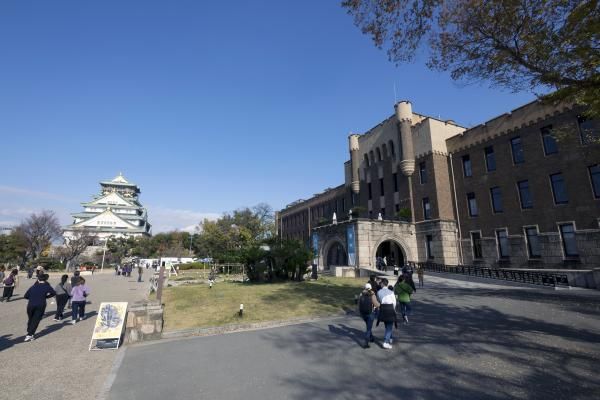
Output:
x=517 y=44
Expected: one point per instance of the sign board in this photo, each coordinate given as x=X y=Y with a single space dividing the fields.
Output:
x=109 y=326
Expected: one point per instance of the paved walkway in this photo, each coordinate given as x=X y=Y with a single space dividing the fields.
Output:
x=465 y=340
x=58 y=365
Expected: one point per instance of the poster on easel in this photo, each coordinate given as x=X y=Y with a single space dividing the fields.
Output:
x=109 y=326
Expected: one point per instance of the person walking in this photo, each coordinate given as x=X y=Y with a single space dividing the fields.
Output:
x=387 y=312
x=367 y=307
x=30 y=272
x=2 y=273
x=10 y=283
x=420 y=273
x=79 y=293
x=140 y=272
x=63 y=294
x=36 y=305
x=403 y=290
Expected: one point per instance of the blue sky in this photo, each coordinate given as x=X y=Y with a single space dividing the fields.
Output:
x=208 y=106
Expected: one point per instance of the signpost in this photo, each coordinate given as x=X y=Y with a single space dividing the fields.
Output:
x=109 y=326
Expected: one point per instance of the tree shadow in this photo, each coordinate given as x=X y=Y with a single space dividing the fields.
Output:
x=447 y=352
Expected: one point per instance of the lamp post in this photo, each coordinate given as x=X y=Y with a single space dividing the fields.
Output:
x=103 y=255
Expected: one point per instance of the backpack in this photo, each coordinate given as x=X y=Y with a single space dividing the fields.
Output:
x=365 y=304
x=9 y=281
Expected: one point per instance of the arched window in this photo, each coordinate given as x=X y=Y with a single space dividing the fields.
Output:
x=378 y=155
x=367 y=160
x=392 y=151
x=371 y=157
x=385 y=151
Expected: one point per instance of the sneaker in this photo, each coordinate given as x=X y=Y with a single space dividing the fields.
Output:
x=387 y=346
x=28 y=338
x=366 y=345
x=73 y=322
x=56 y=320
x=405 y=319
x=391 y=340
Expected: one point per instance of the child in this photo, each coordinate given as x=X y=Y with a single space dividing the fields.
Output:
x=37 y=295
x=9 y=285
x=403 y=291
x=63 y=293
x=79 y=293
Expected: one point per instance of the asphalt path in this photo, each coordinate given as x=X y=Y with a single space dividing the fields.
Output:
x=465 y=340
x=57 y=364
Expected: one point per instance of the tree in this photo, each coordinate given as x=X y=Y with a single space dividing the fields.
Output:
x=517 y=44
x=12 y=248
x=75 y=246
x=38 y=231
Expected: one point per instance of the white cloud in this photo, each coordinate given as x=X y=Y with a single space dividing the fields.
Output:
x=34 y=193
x=169 y=219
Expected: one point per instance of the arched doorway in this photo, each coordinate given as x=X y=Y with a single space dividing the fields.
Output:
x=336 y=255
x=389 y=254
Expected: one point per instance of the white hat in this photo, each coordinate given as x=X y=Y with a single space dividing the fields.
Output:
x=368 y=286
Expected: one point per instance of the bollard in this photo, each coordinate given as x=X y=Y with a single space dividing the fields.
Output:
x=241 y=310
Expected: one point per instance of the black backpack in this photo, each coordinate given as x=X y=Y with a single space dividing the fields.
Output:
x=365 y=304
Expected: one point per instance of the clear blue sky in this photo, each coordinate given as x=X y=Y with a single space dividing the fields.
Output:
x=208 y=106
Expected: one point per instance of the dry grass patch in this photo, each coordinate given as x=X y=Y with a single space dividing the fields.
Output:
x=197 y=306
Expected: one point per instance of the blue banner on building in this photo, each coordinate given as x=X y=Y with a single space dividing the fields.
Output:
x=351 y=245
x=315 y=245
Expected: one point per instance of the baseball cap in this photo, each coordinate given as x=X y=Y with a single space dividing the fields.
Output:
x=368 y=286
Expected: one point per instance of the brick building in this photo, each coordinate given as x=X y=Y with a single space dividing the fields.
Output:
x=521 y=190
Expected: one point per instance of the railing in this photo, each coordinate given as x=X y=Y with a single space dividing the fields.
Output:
x=515 y=275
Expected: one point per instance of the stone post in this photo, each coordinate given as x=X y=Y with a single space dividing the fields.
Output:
x=354 y=162
x=407 y=161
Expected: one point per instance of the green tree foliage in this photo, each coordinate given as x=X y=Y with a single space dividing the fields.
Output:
x=517 y=44
x=13 y=248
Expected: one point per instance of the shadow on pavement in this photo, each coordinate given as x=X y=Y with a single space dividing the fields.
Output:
x=451 y=351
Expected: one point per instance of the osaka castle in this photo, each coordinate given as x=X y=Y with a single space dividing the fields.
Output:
x=115 y=212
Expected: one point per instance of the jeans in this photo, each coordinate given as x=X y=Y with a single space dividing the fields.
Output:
x=34 y=315
x=78 y=309
x=61 y=302
x=389 y=327
x=369 y=318
x=139 y=277
x=405 y=309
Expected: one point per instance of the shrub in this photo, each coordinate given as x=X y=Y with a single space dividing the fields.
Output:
x=193 y=265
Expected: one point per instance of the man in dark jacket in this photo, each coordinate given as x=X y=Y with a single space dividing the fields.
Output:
x=37 y=295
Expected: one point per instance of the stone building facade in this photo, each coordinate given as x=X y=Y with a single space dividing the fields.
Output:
x=521 y=190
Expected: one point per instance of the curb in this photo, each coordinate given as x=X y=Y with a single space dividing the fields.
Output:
x=224 y=329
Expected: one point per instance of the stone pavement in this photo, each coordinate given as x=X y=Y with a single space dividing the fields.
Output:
x=465 y=340
x=58 y=365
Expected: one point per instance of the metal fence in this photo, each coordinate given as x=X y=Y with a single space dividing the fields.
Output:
x=515 y=275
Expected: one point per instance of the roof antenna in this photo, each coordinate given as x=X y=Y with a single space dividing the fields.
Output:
x=395 y=96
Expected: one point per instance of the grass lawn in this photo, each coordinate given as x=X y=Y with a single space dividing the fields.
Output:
x=196 y=306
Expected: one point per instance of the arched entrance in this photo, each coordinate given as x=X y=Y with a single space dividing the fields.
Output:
x=389 y=254
x=336 y=255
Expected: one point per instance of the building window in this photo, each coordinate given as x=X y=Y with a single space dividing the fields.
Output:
x=550 y=146
x=381 y=192
x=595 y=177
x=467 y=170
x=559 y=191
x=395 y=176
x=367 y=160
x=422 y=172
x=472 y=203
x=567 y=232
x=378 y=154
x=426 y=208
x=392 y=150
x=533 y=242
x=370 y=190
x=496 y=196
x=476 y=245
x=502 y=237
x=382 y=212
x=517 y=150
x=343 y=205
x=588 y=130
x=490 y=159
x=397 y=208
x=524 y=195
x=428 y=241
